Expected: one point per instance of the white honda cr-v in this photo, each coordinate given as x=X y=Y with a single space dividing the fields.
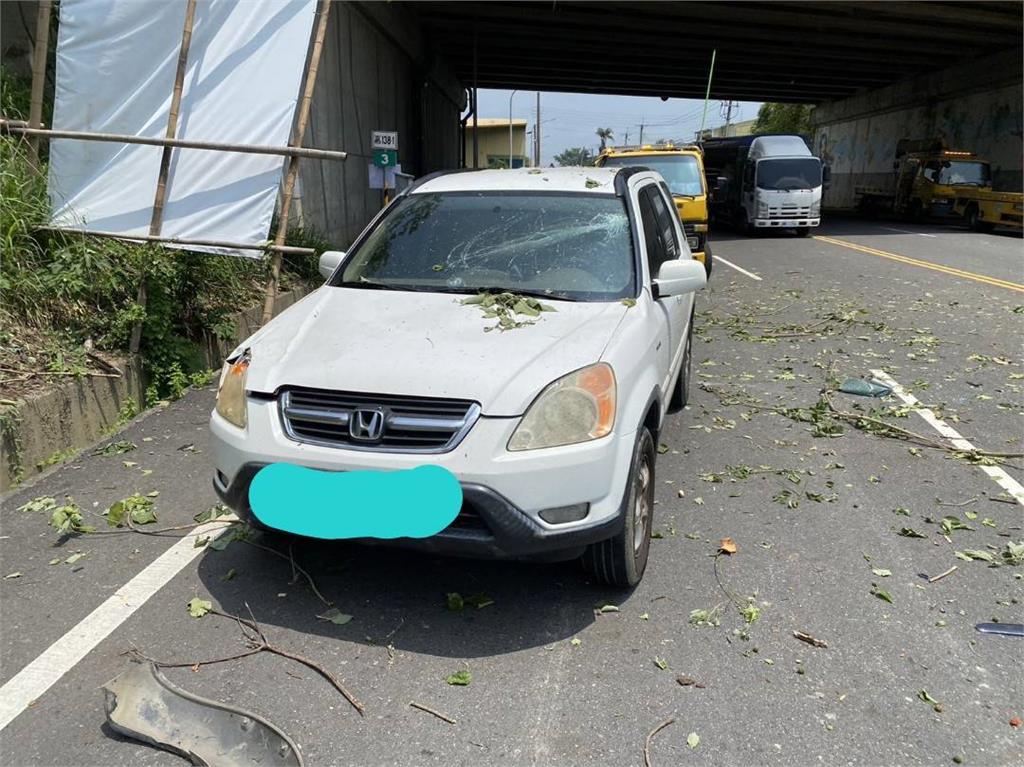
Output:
x=543 y=393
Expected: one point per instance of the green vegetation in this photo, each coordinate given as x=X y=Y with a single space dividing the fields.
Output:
x=61 y=289
x=783 y=118
x=575 y=156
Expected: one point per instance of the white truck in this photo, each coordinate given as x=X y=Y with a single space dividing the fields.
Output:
x=764 y=182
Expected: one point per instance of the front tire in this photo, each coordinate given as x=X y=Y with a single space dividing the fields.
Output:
x=621 y=560
x=976 y=222
x=803 y=231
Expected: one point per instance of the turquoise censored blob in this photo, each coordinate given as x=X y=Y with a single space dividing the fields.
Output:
x=415 y=503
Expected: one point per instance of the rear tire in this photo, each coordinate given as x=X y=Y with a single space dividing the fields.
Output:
x=621 y=560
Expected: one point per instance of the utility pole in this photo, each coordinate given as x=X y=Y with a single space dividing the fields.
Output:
x=641 y=131
x=536 y=135
x=626 y=139
x=726 y=112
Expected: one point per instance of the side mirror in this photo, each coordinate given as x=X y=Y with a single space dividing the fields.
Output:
x=329 y=261
x=683 y=275
x=721 y=183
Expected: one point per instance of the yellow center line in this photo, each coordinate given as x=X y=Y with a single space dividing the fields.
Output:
x=925 y=264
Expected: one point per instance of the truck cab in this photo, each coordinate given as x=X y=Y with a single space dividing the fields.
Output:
x=927 y=183
x=682 y=167
x=765 y=182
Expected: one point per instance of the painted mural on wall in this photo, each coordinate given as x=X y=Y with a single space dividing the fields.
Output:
x=861 y=151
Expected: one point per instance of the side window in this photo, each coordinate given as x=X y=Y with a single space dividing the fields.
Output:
x=652 y=238
x=667 y=222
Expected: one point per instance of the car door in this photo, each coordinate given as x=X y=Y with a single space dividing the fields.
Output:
x=654 y=256
x=676 y=308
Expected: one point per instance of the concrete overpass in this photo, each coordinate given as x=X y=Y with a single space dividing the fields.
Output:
x=878 y=71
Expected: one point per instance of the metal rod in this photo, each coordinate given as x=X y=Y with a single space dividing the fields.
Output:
x=290 y=249
x=20 y=126
x=707 y=95
x=42 y=46
x=293 y=162
x=157 y=217
x=510 y=128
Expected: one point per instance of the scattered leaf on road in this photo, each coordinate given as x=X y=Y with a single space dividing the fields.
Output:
x=575 y=641
x=197 y=607
x=728 y=546
x=693 y=740
x=608 y=609
x=74 y=558
x=882 y=594
x=881 y=572
x=660 y=662
x=460 y=678
x=908 y=532
x=12 y=575
x=454 y=601
x=335 y=616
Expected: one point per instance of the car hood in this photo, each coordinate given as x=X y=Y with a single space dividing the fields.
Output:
x=424 y=344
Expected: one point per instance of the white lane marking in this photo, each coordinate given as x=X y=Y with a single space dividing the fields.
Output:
x=907 y=231
x=739 y=269
x=60 y=657
x=1004 y=480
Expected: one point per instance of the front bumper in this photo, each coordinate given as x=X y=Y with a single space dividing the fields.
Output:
x=489 y=525
x=786 y=223
x=507 y=490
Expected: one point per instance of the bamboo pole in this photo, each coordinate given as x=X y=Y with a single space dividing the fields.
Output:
x=295 y=250
x=157 y=219
x=707 y=95
x=293 y=162
x=39 y=54
x=20 y=126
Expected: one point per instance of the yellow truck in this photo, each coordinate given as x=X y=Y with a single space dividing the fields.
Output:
x=933 y=181
x=682 y=167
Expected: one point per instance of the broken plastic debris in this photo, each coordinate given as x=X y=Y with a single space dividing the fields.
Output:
x=142 y=704
x=1006 y=629
x=864 y=388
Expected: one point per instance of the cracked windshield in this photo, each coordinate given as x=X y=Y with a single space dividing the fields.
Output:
x=572 y=246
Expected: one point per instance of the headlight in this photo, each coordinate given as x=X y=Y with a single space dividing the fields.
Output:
x=578 y=407
x=816 y=208
x=231 y=392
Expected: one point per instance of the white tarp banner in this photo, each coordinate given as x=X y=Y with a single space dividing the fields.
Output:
x=116 y=61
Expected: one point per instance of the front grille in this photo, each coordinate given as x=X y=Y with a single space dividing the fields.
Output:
x=380 y=422
x=789 y=211
x=689 y=229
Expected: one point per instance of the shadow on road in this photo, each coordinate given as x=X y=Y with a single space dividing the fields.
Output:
x=397 y=597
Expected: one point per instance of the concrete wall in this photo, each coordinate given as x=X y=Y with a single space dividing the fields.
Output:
x=975 y=106
x=377 y=73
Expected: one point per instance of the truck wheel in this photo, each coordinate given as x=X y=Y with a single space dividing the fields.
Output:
x=803 y=231
x=915 y=213
x=976 y=222
x=707 y=259
x=621 y=561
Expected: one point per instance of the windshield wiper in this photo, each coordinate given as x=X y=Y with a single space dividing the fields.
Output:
x=685 y=196
x=365 y=284
x=530 y=293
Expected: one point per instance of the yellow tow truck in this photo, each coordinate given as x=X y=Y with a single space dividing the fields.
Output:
x=933 y=181
x=682 y=167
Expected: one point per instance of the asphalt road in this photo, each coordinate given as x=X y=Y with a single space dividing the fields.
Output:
x=554 y=682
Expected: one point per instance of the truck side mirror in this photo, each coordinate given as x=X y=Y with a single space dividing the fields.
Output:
x=826 y=173
x=721 y=184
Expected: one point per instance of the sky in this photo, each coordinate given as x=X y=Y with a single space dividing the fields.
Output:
x=570 y=119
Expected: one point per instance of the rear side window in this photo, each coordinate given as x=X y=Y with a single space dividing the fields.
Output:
x=649 y=219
